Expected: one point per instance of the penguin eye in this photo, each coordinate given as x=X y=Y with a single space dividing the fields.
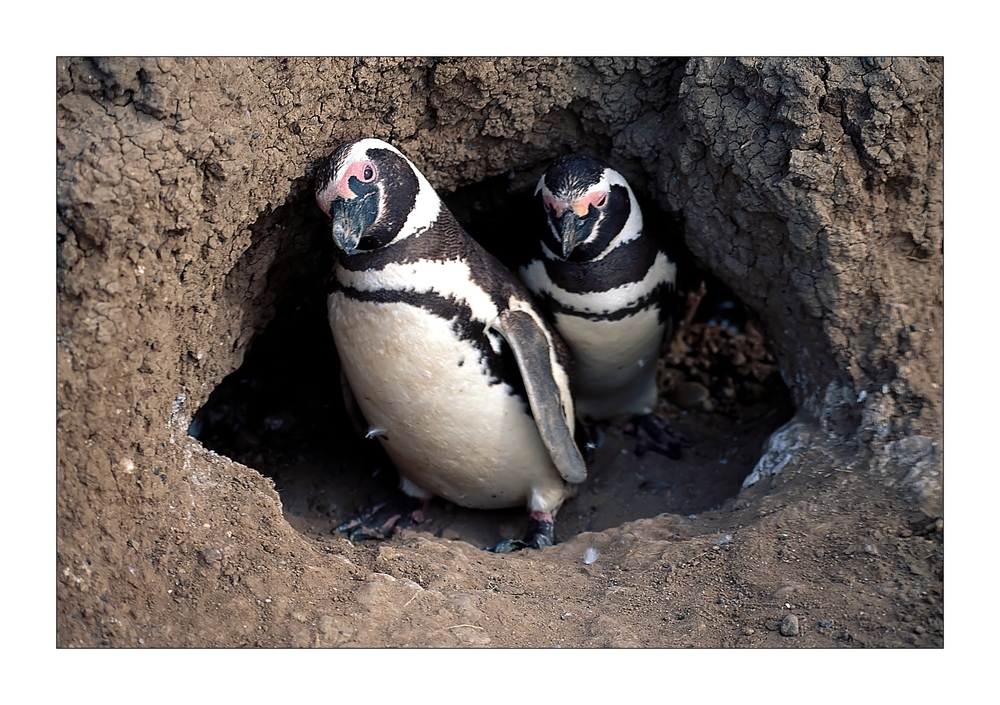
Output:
x=368 y=173
x=602 y=201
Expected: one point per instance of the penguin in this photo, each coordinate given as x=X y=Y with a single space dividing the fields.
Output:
x=604 y=283
x=444 y=356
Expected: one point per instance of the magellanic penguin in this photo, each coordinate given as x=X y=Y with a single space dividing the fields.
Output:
x=455 y=372
x=604 y=282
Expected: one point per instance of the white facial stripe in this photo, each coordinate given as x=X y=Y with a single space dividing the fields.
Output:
x=613 y=178
x=450 y=278
x=427 y=206
x=633 y=226
x=425 y=209
x=600 y=302
x=549 y=254
x=361 y=147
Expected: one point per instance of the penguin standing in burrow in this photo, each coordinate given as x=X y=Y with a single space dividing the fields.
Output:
x=443 y=352
x=604 y=283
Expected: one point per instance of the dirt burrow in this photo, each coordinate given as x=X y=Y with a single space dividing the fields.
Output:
x=809 y=188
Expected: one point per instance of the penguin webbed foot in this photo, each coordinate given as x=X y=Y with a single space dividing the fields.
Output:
x=654 y=434
x=541 y=533
x=385 y=519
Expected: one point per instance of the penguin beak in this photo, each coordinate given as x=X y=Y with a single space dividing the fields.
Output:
x=351 y=219
x=573 y=230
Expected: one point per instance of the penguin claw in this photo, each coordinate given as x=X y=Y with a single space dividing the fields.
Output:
x=541 y=530
x=385 y=519
x=654 y=435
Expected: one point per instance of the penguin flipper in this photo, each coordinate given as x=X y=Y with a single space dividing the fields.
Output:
x=531 y=348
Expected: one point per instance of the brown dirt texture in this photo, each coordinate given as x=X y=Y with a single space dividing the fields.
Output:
x=203 y=453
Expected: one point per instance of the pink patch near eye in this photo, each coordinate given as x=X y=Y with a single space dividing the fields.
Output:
x=363 y=171
x=598 y=199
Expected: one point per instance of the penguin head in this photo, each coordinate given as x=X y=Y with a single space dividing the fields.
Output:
x=373 y=195
x=589 y=206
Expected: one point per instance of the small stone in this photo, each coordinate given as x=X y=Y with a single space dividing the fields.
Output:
x=748 y=631
x=919 y=629
x=871 y=550
x=789 y=626
x=782 y=537
x=820 y=553
x=825 y=623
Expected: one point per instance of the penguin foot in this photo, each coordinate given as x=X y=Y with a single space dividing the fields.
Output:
x=654 y=434
x=541 y=529
x=385 y=519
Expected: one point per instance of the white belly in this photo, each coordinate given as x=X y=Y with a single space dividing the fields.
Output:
x=446 y=429
x=614 y=363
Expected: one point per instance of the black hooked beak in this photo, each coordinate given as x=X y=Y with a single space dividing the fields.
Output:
x=573 y=230
x=351 y=220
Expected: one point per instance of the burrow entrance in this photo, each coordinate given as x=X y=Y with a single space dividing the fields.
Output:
x=282 y=413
